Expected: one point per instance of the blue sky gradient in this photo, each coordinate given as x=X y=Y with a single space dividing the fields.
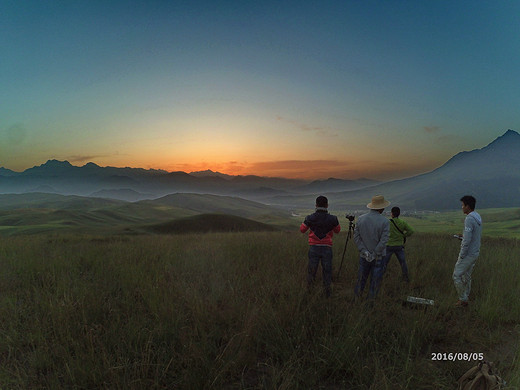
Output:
x=300 y=89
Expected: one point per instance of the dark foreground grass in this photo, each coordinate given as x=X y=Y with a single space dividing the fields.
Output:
x=230 y=311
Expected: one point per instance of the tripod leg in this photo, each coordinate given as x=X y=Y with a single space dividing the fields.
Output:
x=349 y=235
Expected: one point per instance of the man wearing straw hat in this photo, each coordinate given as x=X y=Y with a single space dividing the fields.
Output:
x=371 y=235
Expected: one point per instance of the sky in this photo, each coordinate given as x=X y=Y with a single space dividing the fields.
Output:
x=300 y=89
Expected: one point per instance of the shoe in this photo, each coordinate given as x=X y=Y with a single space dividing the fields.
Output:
x=461 y=303
x=405 y=279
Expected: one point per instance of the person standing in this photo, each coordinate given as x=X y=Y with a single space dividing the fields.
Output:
x=322 y=227
x=399 y=230
x=469 y=250
x=371 y=235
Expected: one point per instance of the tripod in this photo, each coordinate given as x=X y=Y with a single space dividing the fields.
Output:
x=351 y=226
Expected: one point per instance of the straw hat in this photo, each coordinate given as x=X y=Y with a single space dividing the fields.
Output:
x=378 y=202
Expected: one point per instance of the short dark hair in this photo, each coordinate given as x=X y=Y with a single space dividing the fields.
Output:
x=469 y=200
x=396 y=211
x=322 y=201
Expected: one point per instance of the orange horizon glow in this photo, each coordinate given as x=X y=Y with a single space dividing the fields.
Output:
x=303 y=169
x=290 y=169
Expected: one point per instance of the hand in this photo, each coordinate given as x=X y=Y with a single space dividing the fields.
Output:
x=368 y=256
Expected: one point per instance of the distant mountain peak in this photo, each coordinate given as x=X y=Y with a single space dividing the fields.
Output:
x=7 y=172
x=209 y=173
x=51 y=165
x=509 y=134
x=206 y=171
x=57 y=163
x=91 y=165
x=51 y=168
x=510 y=139
x=504 y=148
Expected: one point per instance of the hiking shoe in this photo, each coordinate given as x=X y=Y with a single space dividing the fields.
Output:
x=461 y=303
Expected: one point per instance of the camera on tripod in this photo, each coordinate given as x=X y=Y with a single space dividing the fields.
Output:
x=349 y=235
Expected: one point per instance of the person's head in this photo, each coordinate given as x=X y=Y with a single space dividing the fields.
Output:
x=378 y=203
x=468 y=203
x=322 y=201
x=396 y=211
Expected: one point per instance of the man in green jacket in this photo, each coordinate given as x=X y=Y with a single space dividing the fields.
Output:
x=399 y=230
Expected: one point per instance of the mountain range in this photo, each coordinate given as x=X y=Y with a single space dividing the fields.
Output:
x=134 y=184
x=490 y=174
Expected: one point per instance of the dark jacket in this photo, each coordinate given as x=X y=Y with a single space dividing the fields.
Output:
x=322 y=227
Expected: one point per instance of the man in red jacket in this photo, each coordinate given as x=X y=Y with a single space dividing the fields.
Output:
x=322 y=227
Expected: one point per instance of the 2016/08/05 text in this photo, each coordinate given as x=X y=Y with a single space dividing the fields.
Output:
x=457 y=356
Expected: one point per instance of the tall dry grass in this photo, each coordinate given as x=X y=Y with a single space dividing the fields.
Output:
x=231 y=311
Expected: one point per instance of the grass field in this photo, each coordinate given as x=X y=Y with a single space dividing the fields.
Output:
x=23 y=214
x=36 y=213
x=500 y=222
x=503 y=222
x=231 y=311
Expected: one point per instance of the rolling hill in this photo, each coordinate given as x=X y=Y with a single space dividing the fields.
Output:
x=204 y=223
x=40 y=212
x=207 y=203
x=126 y=194
x=37 y=200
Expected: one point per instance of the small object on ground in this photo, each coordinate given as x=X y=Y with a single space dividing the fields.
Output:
x=416 y=302
x=422 y=301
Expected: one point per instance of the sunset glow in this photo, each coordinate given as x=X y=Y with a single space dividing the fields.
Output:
x=339 y=89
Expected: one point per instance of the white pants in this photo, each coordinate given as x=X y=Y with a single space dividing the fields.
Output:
x=462 y=276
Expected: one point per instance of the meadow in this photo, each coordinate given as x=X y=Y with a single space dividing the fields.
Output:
x=231 y=311
x=498 y=222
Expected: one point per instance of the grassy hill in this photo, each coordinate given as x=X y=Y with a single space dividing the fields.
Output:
x=205 y=203
x=38 y=213
x=204 y=223
x=499 y=222
x=503 y=222
x=39 y=200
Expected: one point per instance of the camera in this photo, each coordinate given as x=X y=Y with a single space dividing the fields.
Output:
x=350 y=217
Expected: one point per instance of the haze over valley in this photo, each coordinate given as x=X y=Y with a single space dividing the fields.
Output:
x=126 y=200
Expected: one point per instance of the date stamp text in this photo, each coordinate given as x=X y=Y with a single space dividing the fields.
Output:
x=457 y=356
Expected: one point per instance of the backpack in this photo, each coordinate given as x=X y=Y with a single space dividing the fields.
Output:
x=480 y=377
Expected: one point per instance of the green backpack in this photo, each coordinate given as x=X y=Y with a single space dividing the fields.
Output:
x=480 y=377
